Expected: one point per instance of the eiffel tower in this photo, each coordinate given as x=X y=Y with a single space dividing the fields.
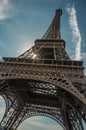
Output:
x=44 y=81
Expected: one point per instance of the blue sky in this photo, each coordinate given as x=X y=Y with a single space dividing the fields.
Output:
x=23 y=21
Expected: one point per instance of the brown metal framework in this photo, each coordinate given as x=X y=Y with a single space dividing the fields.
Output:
x=44 y=81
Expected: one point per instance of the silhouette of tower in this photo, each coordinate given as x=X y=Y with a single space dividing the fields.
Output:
x=44 y=81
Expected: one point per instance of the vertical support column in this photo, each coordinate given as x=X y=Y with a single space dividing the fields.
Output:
x=20 y=118
x=66 y=123
x=13 y=116
x=72 y=119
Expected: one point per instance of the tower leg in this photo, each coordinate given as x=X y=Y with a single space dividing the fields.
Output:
x=74 y=121
x=67 y=126
x=13 y=116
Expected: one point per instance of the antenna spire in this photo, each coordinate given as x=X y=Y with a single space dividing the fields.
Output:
x=53 y=31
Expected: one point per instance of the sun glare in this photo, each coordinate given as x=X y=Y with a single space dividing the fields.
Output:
x=34 y=56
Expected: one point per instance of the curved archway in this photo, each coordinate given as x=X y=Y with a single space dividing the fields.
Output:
x=2 y=107
x=54 y=78
x=57 y=82
x=39 y=122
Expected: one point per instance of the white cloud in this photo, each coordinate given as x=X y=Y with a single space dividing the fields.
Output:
x=34 y=124
x=75 y=30
x=5 y=6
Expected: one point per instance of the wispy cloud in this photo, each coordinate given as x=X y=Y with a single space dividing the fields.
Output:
x=75 y=30
x=35 y=123
x=2 y=45
x=5 y=6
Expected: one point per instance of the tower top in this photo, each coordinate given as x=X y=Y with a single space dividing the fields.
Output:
x=59 y=12
x=53 y=31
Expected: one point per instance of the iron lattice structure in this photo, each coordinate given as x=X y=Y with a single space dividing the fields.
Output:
x=44 y=81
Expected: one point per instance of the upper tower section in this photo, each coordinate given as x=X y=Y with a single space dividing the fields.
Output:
x=53 y=31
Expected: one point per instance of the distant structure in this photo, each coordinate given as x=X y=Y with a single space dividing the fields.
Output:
x=44 y=81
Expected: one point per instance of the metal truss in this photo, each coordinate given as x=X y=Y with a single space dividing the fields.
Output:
x=44 y=81
x=61 y=112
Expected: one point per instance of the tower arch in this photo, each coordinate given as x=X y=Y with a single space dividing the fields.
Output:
x=44 y=81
